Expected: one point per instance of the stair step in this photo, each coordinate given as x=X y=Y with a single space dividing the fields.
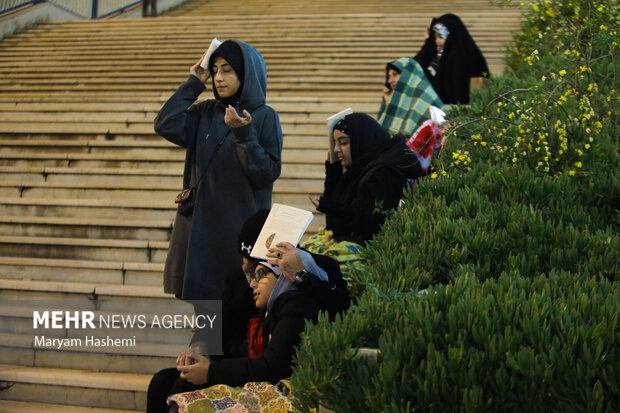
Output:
x=74 y=387
x=126 y=191
x=133 y=176
x=8 y=406
x=74 y=227
x=123 y=160
x=145 y=146
x=79 y=271
x=282 y=106
x=109 y=297
x=84 y=248
x=107 y=209
x=139 y=209
x=144 y=358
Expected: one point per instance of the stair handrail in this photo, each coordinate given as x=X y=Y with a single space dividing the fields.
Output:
x=7 y=6
x=93 y=9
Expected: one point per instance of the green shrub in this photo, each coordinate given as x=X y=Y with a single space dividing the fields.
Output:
x=515 y=236
x=544 y=344
x=494 y=220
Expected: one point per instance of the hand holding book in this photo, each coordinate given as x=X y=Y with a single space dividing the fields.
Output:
x=283 y=224
x=201 y=68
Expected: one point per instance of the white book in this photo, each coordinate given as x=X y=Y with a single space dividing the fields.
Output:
x=212 y=47
x=437 y=115
x=331 y=122
x=283 y=224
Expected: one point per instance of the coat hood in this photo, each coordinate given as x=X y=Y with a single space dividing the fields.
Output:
x=254 y=85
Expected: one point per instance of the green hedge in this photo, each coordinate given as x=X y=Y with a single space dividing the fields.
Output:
x=495 y=220
x=544 y=344
x=516 y=237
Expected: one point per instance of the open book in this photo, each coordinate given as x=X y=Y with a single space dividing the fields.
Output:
x=212 y=47
x=283 y=224
x=331 y=122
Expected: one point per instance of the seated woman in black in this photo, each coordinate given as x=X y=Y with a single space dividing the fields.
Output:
x=368 y=179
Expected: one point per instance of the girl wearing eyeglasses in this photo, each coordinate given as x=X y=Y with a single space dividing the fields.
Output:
x=283 y=311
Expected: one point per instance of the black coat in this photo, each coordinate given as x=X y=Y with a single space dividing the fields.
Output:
x=241 y=166
x=461 y=60
x=282 y=330
x=355 y=201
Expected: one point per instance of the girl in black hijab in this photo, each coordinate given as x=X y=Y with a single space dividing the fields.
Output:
x=450 y=57
x=372 y=172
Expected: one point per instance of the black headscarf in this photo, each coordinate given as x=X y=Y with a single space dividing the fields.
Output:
x=372 y=147
x=460 y=61
x=368 y=138
x=232 y=53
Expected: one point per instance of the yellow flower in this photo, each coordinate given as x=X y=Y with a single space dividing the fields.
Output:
x=571 y=173
x=578 y=164
x=434 y=175
x=455 y=155
x=587 y=146
x=599 y=8
x=483 y=143
x=603 y=27
x=562 y=72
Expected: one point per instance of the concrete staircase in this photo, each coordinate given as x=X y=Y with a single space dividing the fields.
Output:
x=87 y=188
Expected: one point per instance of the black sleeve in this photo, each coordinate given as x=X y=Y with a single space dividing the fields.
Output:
x=178 y=120
x=237 y=308
x=382 y=188
x=333 y=172
x=333 y=294
x=259 y=149
x=282 y=330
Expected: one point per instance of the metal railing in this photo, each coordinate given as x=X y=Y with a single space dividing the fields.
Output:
x=9 y=5
x=87 y=9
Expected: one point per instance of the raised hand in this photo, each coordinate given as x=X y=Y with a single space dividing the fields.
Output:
x=199 y=72
x=286 y=256
x=315 y=200
x=233 y=120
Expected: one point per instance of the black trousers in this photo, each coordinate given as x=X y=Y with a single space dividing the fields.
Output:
x=163 y=384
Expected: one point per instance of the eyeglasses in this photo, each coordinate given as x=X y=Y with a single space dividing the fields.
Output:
x=259 y=274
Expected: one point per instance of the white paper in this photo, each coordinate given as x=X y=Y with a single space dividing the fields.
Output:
x=212 y=47
x=331 y=122
x=284 y=224
x=437 y=115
